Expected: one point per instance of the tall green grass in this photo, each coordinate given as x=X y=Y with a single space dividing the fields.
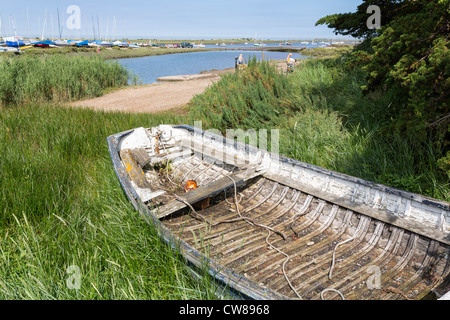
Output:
x=61 y=204
x=30 y=79
x=324 y=119
x=258 y=97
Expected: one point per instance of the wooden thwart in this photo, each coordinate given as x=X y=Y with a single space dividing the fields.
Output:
x=209 y=190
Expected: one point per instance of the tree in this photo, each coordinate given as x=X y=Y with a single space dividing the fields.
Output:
x=410 y=53
x=355 y=24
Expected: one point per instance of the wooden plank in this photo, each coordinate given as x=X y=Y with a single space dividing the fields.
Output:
x=421 y=228
x=133 y=169
x=142 y=157
x=164 y=157
x=207 y=191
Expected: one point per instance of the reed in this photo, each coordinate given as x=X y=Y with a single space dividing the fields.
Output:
x=257 y=97
x=324 y=119
x=62 y=205
x=57 y=78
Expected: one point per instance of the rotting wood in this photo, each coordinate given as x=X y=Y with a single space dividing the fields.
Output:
x=396 y=250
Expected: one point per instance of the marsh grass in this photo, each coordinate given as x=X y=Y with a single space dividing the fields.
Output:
x=57 y=78
x=62 y=205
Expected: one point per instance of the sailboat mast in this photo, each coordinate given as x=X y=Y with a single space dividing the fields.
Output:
x=59 y=25
x=51 y=19
x=1 y=27
x=98 y=30
x=15 y=32
x=45 y=22
x=93 y=26
x=28 y=25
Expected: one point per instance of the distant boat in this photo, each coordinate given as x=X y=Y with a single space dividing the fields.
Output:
x=120 y=43
x=11 y=49
x=106 y=44
x=222 y=45
x=62 y=43
x=15 y=44
x=44 y=44
x=82 y=43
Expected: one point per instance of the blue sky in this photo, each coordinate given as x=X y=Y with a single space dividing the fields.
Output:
x=195 y=19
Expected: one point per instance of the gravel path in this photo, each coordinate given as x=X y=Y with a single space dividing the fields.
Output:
x=171 y=93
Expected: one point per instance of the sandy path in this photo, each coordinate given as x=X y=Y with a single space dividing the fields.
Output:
x=153 y=98
x=174 y=93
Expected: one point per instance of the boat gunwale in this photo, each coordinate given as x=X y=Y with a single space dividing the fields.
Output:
x=424 y=228
x=429 y=201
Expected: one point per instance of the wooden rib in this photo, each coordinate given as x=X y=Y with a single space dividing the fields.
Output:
x=304 y=251
x=261 y=259
x=236 y=230
x=255 y=236
x=258 y=191
x=444 y=275
x=205 y=170
x=267 y=219
x=349 y=262
x=338 y=274
x=258 y=215
x=183 y=163
x=220 y=172
x=325 y=259
x=316 y=247
x=388 y=253
x=289 y=207
x=260 y=202
x=297 y=215
x=194 y=167
x=309 y=221
x=252 y=236
x=401 y=263
x=417 y=277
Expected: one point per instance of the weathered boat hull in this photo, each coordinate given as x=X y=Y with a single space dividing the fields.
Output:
x=297 y=230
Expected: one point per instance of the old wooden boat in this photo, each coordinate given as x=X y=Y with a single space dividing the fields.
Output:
x=270 y=227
